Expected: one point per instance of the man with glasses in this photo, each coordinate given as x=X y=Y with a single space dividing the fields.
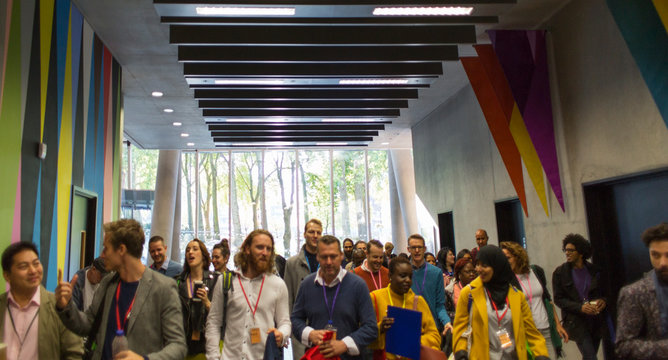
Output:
x=428 y=283
x=578 y=293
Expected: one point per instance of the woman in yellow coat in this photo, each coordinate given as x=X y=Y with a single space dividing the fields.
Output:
x=501 y=322
x=399 y=294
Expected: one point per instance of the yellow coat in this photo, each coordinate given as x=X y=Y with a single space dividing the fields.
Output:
x=380 y=299
x=524 y=328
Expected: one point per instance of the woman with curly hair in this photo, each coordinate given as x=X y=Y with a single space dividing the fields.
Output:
x=533 y=283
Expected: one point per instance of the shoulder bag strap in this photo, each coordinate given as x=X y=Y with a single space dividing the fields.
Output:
x=90 y=345
x=227 y=285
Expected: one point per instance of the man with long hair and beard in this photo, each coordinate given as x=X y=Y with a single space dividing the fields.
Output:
x=257 y=304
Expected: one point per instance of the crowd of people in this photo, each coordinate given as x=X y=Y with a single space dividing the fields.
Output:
x=331 y=300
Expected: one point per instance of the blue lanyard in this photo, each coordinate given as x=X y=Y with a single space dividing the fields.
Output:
x=324 y=294
x=424 y=277
x=309 y=263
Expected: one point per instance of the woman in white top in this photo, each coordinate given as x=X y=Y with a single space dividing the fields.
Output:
x=533 y=283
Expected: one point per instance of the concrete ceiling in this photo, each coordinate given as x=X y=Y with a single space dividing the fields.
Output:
x=133 y=31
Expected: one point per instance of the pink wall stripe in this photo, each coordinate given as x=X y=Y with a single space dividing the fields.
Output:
x=3 y=66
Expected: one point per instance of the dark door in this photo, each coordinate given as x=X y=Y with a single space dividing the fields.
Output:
x=446 y=230
x=510 y=221
x=618 y=211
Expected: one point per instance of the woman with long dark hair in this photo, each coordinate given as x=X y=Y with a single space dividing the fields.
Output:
x=446 y=261
x=494 y=316
x=194 y=284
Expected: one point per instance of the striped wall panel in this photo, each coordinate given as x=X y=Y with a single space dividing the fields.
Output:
x=60 y=85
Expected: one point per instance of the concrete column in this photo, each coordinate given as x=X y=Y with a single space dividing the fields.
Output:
x=404 y=178
x=166 y=186
x=176 y=234
x=396 y=218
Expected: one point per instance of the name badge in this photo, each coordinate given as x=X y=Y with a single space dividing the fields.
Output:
x=255 y=336
x=504 y=338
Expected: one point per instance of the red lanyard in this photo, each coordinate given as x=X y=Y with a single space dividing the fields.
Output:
x=529 y=294
x=258 y=296
x=497 y=310
x=127 y=313
x=376 y=285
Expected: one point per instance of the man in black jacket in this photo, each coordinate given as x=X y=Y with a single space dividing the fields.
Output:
x=577 y=292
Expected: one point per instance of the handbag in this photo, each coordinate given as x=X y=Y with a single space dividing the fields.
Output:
x=314 y=352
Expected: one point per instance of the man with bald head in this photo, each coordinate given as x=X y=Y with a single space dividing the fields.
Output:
x=481 y=239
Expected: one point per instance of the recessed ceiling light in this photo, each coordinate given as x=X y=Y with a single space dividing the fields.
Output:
x=373 y=81
x=331 y=143
x=176 y=123
x=385 y=143
x=258 y=120
x=185 y=134
x=348 y=120
x=157 y=94
x=249 y=82
x=190 y=144
x=423 y=11
x=236 y=10
x=168 y=110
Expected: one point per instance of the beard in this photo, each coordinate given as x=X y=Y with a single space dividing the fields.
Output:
x=259 y=265
x=348 y=254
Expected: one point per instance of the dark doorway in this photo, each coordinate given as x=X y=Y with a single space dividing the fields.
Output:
x=81 y=250
x=510 y=221
x=446 y=229
x=618 y=211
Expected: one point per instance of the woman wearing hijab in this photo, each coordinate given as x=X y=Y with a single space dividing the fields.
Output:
x=399 y=294
x=501 y=326
x=533 y=283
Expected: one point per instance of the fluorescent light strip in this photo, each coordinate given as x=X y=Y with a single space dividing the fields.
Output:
x=258 y=120
x=190 y=144
x=157 y=94
x=184 y=135
x=373 y=81
x=330 y=143
x=249 y=82
x=228 y=10
x=423 y=11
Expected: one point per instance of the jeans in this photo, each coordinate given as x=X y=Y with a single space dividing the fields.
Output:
x=548 y=343
x=588 y=346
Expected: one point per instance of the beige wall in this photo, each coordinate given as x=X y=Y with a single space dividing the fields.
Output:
x=607 y=125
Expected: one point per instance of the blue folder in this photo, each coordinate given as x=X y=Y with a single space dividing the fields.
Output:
x=403 y=338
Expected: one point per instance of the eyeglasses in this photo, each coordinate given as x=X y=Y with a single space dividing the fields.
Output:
x=470 y=272
x=415 y=248
x=569 y=250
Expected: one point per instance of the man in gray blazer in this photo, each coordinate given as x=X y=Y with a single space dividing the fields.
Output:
x=143 y=304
